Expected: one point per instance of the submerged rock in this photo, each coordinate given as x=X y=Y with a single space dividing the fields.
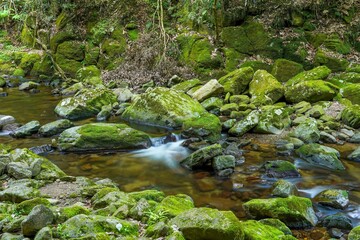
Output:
x=208 y=224
x=295 y=212
x=55 y=127
x=334 y=198
x=85 y=103
x=321 y=156
x=102 y=136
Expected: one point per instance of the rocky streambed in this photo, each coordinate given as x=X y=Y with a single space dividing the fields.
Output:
x=184 y=161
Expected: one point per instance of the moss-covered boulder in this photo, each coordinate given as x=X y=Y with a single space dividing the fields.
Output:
x=351 y=92
x=276 y=223
x=202 y=156
x=255 y=230
x=42 y=67
x=355 y=155
x=265 y=86
x=86 y=103
x=165 y=108
x=71 y=211
x=83 y=226
x=88 y=72
x=186 y=85
x=69 y=66
x=71 y=50
x=172 y=206
x=280 y=169
x=273 y=120
x=354 y=233
x=207 y=127
x=318 y=73
x=245 y=125
x=27 y=129
x=39 y=217
x=237 y=81
x=295 y=212
x=334 y=198
x=251 y=38
x=321 y=156
x=211 y=89
x=351 y=116
x=26 y=206
x=55 y=127
x=19 y=190
x=208 y=224
x=284 y=69
x=333 y=61
x=310 y=91
x=28 y=61
x=102 y=136
x=59 y=38
x=307 y=131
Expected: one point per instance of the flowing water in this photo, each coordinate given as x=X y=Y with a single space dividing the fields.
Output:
x=158 y=167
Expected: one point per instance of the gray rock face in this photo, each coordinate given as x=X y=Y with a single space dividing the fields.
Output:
x=4 y=120
x=44 y=234
x=340 y=221
x=123 y=94
x=321 y=156
x=19 y=170
x=19 y=191
x=27 y=129
x=26 y=86
x=55 y=127
x=355 y=155
x=307 y=131
x=38 y=218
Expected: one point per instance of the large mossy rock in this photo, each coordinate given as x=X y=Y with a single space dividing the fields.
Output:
x=27 y=129
x=102 y=136
x=354 y=233
x=88 y=227
x=202 y=156
x=164 y=107
x=210 y=89
x=55 y=127
x=351 y=92
x=207 y=127
x=86 y=103
x=331 y=60
x=307 y=131
x=351 y=116
x=284 y=69
x=236 y=82
x=71 y=50
x=255 y=230
x=175 y=205
x=321 y=156
x=208 y=224
x=251 y=38
x=310 y=91
x=19 y=190
x=39 y=217
x=318 y=73
x=264 y=87
x=245 y=125
x=272 y=120
x=295 y=212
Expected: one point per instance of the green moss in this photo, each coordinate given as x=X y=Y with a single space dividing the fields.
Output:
x=351 y=116
x=236 y=82
x=62 y=20
x=69 y=66
x=334 y=43
x=73 y=50
x=310 y=91
x=316 y=39
x=19 y=72
x=351 y=92
x=88 y=72
x=295 y=212
x=71 y=211
x=276 y=223
x=28 y=61
x=175 y=205
x=232 y=59
x=59 y=38
x=154 y=195
x=186 y=85
x=207 y=127
x=133 y=34
x=27 y=36
x=113 y=48
x=42 y=67
x=284 y=69
x=318 y=73
x=25 y=207
x=92 y=54
x=335 y=63
x=258 y=231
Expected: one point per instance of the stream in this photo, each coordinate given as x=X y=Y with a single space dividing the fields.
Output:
x=158 y=167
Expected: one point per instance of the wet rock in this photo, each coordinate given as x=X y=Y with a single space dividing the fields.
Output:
x=44 y=234
x=354 y=234
x=334 y=198
x=105 y=113
x=276 y=223
x=207 y=128
x=283 y=189
x=202 y=156
x=27 y=129
x=224 y=162
x=3 y=94
x=209 y=224
x=102 y=136
x=55 y=127
x=355 y=138
x=82 y=226
x=19 y=170
x=316 y=111
x=327 y=138
x=307 y=131
x=19 y=190
x=26 y=86
x=38 y=218
x=86 y=103
x=351 y=116
x=265 y=88
x=355 y=155
x=211 y=89
x=321 y=156
x=280 y=169
x=245 y=125
x=4 y=120
x=175 y=205
x=295 y=212
x=228 y=124
x=73 y=89
x=256 y=230
x=272 y=120
x=339 y=220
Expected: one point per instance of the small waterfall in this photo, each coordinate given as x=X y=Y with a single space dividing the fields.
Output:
x=164 y=150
